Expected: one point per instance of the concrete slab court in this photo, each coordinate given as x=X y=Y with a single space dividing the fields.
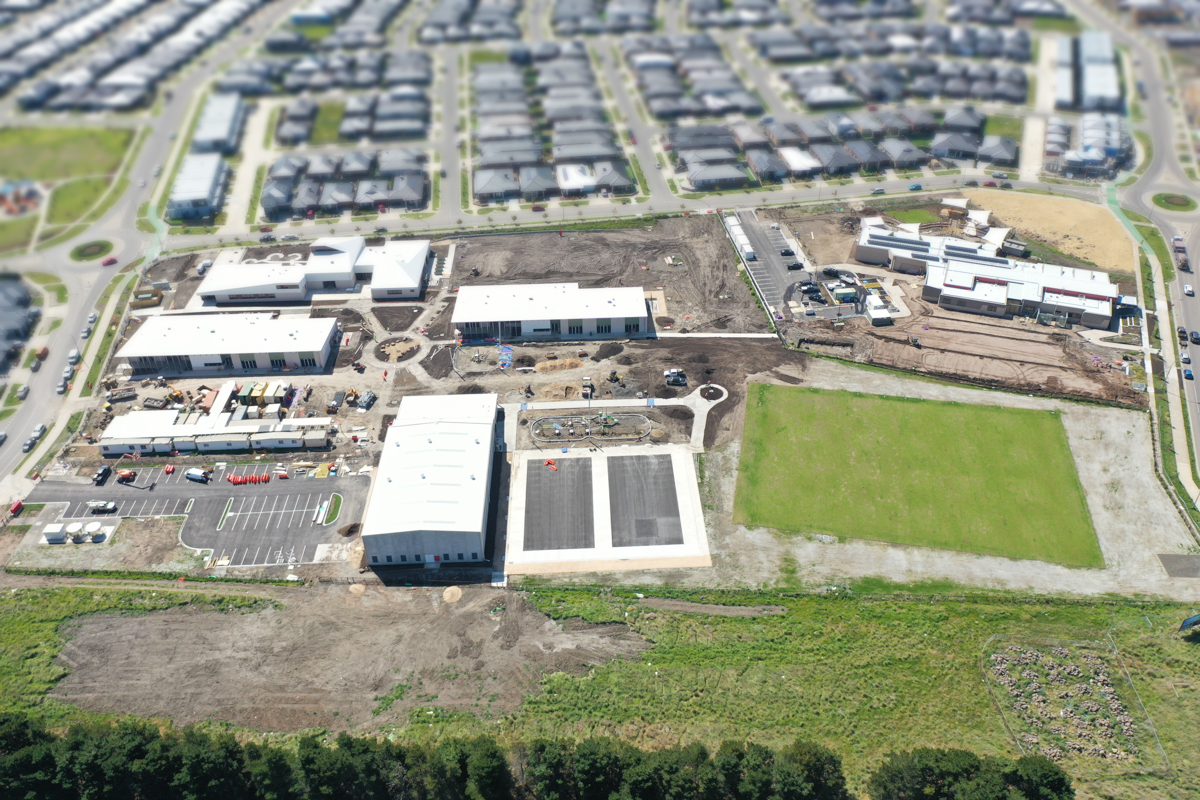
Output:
x=643 y=501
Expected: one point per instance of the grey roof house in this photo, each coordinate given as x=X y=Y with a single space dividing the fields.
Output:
x=766 y=165
x=495 y=184
x=834 y=160
x=276 y=197
x=716 y=176
x=954 y=145
x=612 y=175
x=904 y=154
x=999 y=150
x=538 y=181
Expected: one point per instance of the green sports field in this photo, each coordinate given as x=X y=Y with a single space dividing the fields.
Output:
x=955 y=476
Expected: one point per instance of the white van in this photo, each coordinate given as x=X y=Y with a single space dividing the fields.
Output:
x=73 y=357
x=197 y=475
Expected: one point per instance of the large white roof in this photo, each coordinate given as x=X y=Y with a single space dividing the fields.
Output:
x=396 y=265
x=433 y=472
x=225 y=334
x=546 y=301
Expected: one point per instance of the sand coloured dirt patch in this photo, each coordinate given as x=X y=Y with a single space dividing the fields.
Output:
x=558 y=365
x=1079 y=229
x=396 y=350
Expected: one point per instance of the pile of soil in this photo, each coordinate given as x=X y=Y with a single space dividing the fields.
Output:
x=607 y=350
x=470 y=388
x=441 y=326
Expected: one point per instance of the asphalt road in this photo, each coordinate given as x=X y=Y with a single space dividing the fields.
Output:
x=251 y=524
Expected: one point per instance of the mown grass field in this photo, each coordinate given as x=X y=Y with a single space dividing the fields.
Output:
x=48 y=154
x=72 y=200
x=977 y=478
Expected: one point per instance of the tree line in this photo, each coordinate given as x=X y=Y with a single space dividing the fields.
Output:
x=135 y=760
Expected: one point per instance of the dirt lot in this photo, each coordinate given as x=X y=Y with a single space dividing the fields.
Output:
x=397 y=319
x=137 y=544
x=1077 y=228
x=669 y=425
x=827 y=238
x=173 y=269
x=1015 y=354
x=706 y=293
x=326 y=657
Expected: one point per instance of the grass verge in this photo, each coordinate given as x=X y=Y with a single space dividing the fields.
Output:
x=252 y=211
x=1159 y=246
x=16 y=234
x=334 y=510
x=65 y=434
x=106 y=341
x=71 y=200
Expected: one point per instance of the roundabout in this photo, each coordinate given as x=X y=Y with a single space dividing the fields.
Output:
x=1174 y=202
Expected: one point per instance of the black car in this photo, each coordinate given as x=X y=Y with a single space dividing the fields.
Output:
x=1006 y=185
x=970 y=183
x=1182 y=331
x=267 y=238
x=794 y=265
x=787 y=251
x=1195 y=337
x=101 y=474
x=830 y=271
x=810 y=288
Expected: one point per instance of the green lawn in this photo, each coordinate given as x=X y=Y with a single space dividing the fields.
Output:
x=1069 y=26
x=1001 y=125
x=314 y=33
x=72 y=200
x=916 y=215
x=15 y=234
x=329 y=119
x=1159 y=246
x=252 y=212
x=1173 y=201
x=49 y=154
x=978 y=478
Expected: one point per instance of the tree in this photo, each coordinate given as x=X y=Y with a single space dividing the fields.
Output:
x=27 y=765
x=600 y=765
x=210 y=768
x=487 y=769
x=820 y=767
x=1039 y=778
x=269 y=773
x=550 y=771
x=924 y=773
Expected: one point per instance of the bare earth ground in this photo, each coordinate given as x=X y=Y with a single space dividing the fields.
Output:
x=325 y=660
x=706 y=293
x=1077 y=228
x=1014 y=354
x=1133 y=517
x=138 y=544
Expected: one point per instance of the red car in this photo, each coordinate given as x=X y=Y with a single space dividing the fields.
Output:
x=265 y=229
x=989 y=183
x=108 y=262
x=632 y=139
x=538 y=208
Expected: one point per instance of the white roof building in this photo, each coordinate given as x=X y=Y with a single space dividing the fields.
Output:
x=429 y=502
x=799 y=162
x=543 y=310
x=199 y=188
x=185 y=343
x=395 y=269
x=220 y=126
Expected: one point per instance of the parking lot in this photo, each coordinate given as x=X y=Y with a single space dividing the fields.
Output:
x=279 y=522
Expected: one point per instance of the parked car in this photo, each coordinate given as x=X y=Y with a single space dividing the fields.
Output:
x=1006 y=185
x=830 y=271
x=1187 y=375
x=39 y=431
x=290 y=237
x=68 y=373
x=916 y=187
x=102 y=506
x=265 y=229
x=1182 y=331
x=794 y=265
x=73 y=357
x=632 y=139
x=92 y=317
x=787 y=251
x=1187 y=289
x=538 y=208
x=101 y=474
x=265 y=239
x=1185 y=358
x=108 y=262
x=878 y=190
x=29 y=445
x=86 y=332
x=970 y=183
x=808 y=287
x=989 y=183
x=23 y=392
x=61 y=388
x=1195 y=335
x=999 y=174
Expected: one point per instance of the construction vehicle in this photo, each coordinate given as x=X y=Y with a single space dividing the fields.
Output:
x=1178 y=245
x=173 y=394
x=352 y=397
x=613 y=377
x=914 y=341
x=335 y=405
x=368 y=400
x=126 y=475
x=675 y=377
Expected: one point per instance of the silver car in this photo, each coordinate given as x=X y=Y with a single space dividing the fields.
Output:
x=62 y=387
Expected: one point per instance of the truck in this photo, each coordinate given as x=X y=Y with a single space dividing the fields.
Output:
x=335 y=404
x=155 y=402
x=126 y=475
x=1178 y=245
x=198 y=475
x=116 y=395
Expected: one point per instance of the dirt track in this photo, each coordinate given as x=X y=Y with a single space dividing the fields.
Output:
x=706 y=293
x=329 y=650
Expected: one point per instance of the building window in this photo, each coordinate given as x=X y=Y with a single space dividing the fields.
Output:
x=278 y=362
x=555 y=326
x=403 y=559
x=460 y=556
x=633 y=325
x=249 y=363
x=445 y=556
x=308 y=362
x=417 y=558
x=575 y=327
x=389 y=559
x=604 y=326
x=374 y=559
x=287 y=286
x=270 y=296
x=991 y=308
x=474 y=556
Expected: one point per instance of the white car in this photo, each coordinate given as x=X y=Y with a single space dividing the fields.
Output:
x=1185 y=358
x=1187 y=289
